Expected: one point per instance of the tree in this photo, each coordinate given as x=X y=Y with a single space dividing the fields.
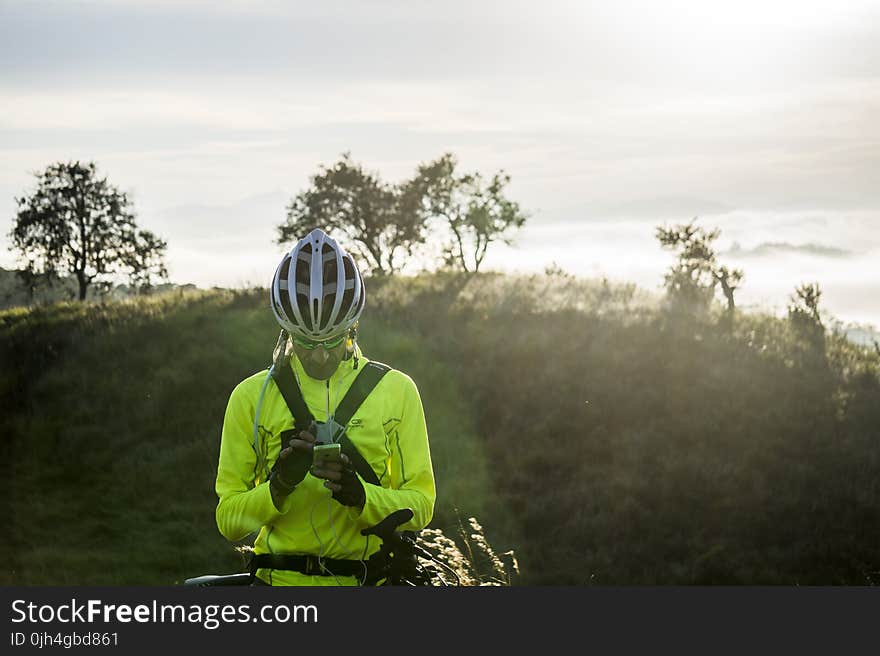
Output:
x=146 y=261
x=382 y=222
x=78 y=224
x=388 y=223
x=805 y=303
x=694 y=277
x=473 y=211
x=805 y=317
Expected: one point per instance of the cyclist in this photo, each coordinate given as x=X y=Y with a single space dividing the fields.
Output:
x=309 y=515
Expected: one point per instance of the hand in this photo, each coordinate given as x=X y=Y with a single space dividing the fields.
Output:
x=341 y=479
x=293 y=462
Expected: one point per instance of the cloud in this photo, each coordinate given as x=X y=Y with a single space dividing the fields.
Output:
x=248 y=222
x=656 y=45
x=662 y=208
x=72 y=43
x=774 y=248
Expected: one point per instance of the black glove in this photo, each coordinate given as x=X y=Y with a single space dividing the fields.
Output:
x=290 y=468
x=352 y=492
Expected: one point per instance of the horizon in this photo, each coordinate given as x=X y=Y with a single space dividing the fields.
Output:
x=612 y=118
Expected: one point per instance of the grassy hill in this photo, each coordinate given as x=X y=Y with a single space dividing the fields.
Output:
x=604 y=438
x=112 y=416
x=637 y=444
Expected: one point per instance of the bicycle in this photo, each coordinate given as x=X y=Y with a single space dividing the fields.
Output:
x=398 y=561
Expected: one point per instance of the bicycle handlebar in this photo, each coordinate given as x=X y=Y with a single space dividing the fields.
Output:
x=386 y=528
x=394 y=547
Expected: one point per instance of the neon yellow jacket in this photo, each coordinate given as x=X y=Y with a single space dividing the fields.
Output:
x=389 y=431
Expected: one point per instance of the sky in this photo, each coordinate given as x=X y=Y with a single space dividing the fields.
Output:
x=761 y=118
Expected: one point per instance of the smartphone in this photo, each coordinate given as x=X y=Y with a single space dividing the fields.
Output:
x=321 y=452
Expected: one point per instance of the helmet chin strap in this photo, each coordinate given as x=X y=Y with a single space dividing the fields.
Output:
x=352 y=338
x=280 y=352
x=351 y=353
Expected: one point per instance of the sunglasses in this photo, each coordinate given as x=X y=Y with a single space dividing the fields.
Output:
x=310 y=345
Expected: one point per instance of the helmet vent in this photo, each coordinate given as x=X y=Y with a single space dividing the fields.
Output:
x=318 y=298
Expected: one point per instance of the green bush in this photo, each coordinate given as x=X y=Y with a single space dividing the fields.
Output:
x=603 y=437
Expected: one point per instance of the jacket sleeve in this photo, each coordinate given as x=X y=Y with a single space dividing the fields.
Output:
x=243 y=506
x=412 y=474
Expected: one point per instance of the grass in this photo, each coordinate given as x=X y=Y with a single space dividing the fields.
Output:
x=114 y=413
x=607 y=437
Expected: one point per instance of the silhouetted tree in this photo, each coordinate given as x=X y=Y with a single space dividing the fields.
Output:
x=803 y=313
x=695 y=276
x=145 y=260
x=383 y=223
x=805 y=303
x=78 y=224
x=472 y=210
x=388 y=223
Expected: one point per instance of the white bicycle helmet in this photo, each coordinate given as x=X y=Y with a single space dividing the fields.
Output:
x=317 y=291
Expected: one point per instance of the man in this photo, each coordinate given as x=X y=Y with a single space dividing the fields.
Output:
x=309 y=514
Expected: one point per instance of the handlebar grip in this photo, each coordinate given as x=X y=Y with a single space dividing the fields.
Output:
x=212 y=580
x=386 y=527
